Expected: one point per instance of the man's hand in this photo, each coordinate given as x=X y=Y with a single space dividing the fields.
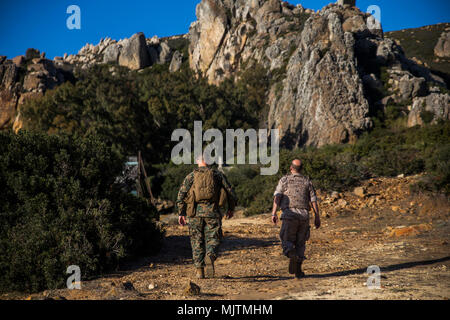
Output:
x=182 y=220
x=274 y=218
x=230 y=214
x=317 y=221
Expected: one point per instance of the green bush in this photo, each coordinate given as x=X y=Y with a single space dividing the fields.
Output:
x=59 y=206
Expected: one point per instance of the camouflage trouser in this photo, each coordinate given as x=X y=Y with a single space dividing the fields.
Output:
x=205 y=238
x=293 y=234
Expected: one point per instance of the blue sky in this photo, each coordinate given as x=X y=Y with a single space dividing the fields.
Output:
x=42 y=24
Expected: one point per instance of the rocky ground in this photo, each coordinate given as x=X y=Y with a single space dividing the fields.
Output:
x=381 y=223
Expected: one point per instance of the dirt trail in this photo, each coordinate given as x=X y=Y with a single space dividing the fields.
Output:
x=414 y=261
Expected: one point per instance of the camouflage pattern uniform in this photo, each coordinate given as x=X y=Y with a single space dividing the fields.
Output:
x=205 y=229
x=296 y=193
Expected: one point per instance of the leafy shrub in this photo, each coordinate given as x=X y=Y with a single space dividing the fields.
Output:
x=59 y=206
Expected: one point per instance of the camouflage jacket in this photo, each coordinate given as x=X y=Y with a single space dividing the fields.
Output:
x=297 y=192
x=205 y=210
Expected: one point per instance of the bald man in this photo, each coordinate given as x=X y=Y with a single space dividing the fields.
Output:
x=295 y=194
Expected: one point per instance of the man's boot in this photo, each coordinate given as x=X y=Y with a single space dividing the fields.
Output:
x=293 y=262
x=209 y=261
x=200 y=273
x=299 y=273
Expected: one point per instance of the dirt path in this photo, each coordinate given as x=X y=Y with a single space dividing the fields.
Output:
x=414 y=261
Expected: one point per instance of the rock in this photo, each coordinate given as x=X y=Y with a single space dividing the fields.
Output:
x=32 y=53
x=360 y=192
x=8 y=103
x=9 y=74
x=207 y=34
x=395 y=208
x=19 y=61
x=354 y=24
x=152 y=286
x=2 y=59
x=347 y=2
x=165 y=53
x=436 y=106
x=191 y=289
x=134 y=54
x=111 y=54
x=176 y=62
x=408 y=231
x=412 y=87
x=442 y=48
x=334 y=196
x=315 y=74
x=342 y=203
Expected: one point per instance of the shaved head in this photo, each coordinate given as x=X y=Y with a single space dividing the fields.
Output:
x=296 y=165
x=201 y=161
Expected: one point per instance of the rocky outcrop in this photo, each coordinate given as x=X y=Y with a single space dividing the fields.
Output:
x=319 y=97
x=442 y=48
x=23 y=78
x=135 y=53
x=429 y=109
x=327 y=68
x=177 y=61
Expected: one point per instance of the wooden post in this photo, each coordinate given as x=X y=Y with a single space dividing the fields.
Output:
x=147 y=182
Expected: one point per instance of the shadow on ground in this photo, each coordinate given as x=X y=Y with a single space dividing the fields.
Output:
x=389 y=268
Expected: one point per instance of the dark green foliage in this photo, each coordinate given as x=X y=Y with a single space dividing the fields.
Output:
x=133 y=111
x=59 y=206
x=173 y=177
x=427 y=116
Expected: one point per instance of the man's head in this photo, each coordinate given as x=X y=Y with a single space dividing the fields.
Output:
x=201 y=161
x=296 y=166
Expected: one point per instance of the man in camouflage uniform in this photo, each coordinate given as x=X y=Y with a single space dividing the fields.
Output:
x=205 y=228
x=295 y=194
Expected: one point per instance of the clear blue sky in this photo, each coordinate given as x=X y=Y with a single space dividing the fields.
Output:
x=41 y=24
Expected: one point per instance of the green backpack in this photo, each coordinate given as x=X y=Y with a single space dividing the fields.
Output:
x=205 y=187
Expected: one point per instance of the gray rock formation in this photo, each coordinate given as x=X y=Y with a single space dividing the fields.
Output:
x=111 y=54
x=322 y=100
x=327 y=68
x=27 y=77
x=133 y=52
x=442 y=48
x=176 y=62
x=437 y=106
x=347 y=2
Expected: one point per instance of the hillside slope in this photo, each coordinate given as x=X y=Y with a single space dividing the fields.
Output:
x=419 y=44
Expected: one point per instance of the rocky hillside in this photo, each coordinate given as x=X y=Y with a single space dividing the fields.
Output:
x=31 y=75
x=330 y=72
x=428 y=46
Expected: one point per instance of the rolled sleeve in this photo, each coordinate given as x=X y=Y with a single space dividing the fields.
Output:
x=312 y=193
x=280 y=189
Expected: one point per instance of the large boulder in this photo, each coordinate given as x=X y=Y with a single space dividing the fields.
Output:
x=442 y=48
x=133 y=53
x=111 y=53
x=429 y=109
x=207 y=33
x=177 y=61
